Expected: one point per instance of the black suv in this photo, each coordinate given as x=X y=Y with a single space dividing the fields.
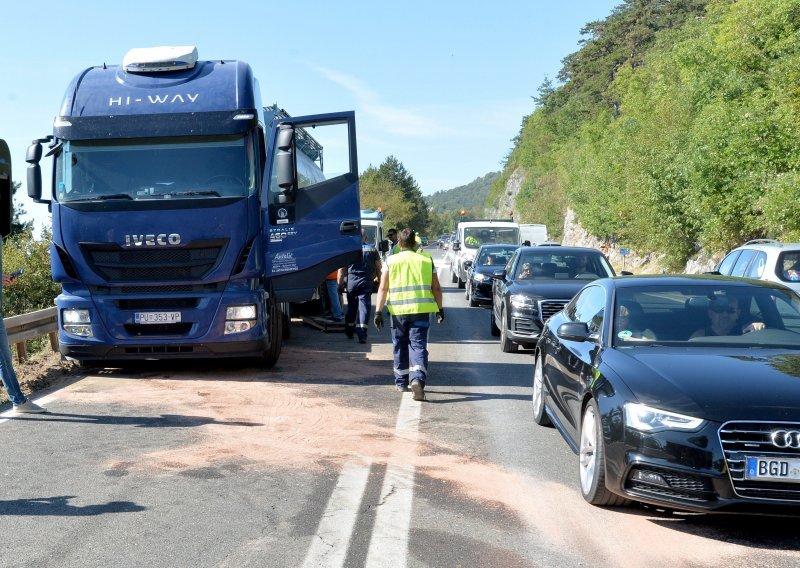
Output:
x=537 y=283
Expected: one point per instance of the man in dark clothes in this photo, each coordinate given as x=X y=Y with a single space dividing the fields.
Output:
x=360 y=278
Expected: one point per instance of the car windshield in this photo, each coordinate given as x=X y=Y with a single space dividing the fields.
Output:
x=477 y=236
x=150 y=169
x=562 y=266
x=494 y=256
x=701 y=315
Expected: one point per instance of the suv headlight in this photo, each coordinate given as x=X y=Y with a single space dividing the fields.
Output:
x=648 y=419
x=520 y=301
x=479 y=277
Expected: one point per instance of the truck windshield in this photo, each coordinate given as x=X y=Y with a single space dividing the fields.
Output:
x=477 y=236
x=149 y=169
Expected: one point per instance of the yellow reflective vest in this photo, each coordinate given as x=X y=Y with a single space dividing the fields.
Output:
x=410 y=278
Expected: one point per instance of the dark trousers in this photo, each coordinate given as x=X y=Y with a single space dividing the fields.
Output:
x=359 y=305
x=410 y=341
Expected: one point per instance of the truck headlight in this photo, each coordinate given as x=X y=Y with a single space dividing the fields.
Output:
x=77 y=322
x=240 y=318
x=648 y=419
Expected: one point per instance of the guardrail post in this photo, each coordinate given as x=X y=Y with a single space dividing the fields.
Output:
x=53 y=340
x=22 y=352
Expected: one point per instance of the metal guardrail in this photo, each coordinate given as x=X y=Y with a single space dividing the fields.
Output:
x=30 y=326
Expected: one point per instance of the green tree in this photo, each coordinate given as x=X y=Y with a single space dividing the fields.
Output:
x=17 y=225
x=394 y=171
x=377 y=192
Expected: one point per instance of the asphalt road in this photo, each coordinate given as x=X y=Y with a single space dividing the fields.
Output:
x=320 y=462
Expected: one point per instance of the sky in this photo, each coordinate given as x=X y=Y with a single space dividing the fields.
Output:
x=442 y=85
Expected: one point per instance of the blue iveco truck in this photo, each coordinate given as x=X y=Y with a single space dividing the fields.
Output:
x=183 y=221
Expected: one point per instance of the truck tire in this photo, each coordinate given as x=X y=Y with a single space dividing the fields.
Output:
x=275 y=331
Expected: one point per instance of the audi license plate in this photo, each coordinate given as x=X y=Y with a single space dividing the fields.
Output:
x=773 y=469
x=157 y=317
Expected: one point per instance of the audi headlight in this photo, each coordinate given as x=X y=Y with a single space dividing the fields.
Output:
x=479 y=277
x=520 y=301
x=648 y=419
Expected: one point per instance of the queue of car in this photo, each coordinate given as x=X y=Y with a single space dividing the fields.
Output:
x=681 y=391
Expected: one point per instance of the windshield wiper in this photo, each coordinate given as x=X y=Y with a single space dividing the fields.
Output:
x=188 y=193
x=104 y=197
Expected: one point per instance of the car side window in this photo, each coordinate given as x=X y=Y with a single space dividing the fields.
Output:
x=510 y=266
x=727 y=263
x=588 y=307
x=757 y=266
x=741 y=264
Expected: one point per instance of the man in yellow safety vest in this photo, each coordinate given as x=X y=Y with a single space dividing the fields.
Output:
x=410 y=290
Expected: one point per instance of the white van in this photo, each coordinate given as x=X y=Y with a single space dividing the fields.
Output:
x=531 y=234
x=472 y=234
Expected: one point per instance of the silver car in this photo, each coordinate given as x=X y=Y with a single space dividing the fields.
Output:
x=764 y=259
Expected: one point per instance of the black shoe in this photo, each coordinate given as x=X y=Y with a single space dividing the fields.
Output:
x=418 y=390
x=362 y=339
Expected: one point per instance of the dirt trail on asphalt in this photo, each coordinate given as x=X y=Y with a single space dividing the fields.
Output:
x=289 y=418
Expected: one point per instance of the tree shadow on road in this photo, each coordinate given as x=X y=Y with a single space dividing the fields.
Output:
x=60 y=507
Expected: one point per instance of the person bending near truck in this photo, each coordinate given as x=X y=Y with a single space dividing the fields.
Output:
x=21 y=404
x=410 y=290
x=360 y=277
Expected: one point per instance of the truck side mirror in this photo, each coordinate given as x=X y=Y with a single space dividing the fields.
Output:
x=33 y=157
x=456 y=245
x=383 y=246
x=285 y=163
x=6 y=190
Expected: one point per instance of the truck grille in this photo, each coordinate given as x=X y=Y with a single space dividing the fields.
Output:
x=548 y=308
x=742 y=439
x=116 y=264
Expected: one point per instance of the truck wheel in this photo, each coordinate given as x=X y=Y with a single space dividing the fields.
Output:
x=275 y=331
x=287 y=320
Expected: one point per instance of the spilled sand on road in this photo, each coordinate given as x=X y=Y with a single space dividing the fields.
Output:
x=290 y=418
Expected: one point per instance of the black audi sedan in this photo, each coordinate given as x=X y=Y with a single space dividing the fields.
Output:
x=677 y=391
x=536 y=283
x=488 y=259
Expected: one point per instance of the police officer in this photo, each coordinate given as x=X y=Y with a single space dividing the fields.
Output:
x=410 y=290
x=360 y=277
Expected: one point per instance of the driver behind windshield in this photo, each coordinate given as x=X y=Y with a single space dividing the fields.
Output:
x=723 y=314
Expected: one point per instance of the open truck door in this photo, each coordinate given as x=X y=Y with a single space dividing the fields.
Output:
x=6 y=190
x=312 y=209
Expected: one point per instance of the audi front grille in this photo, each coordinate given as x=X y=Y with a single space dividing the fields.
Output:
x=740 y=440
x=548 y=308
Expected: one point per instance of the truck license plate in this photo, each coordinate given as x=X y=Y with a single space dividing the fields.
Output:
x=773 y=469
x=157 y=317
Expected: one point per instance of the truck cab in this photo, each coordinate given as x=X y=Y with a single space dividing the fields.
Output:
x=183 y=221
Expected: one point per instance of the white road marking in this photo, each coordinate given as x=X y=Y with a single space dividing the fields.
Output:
x=389 y=543
x=8 y=414
x=332 y=540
